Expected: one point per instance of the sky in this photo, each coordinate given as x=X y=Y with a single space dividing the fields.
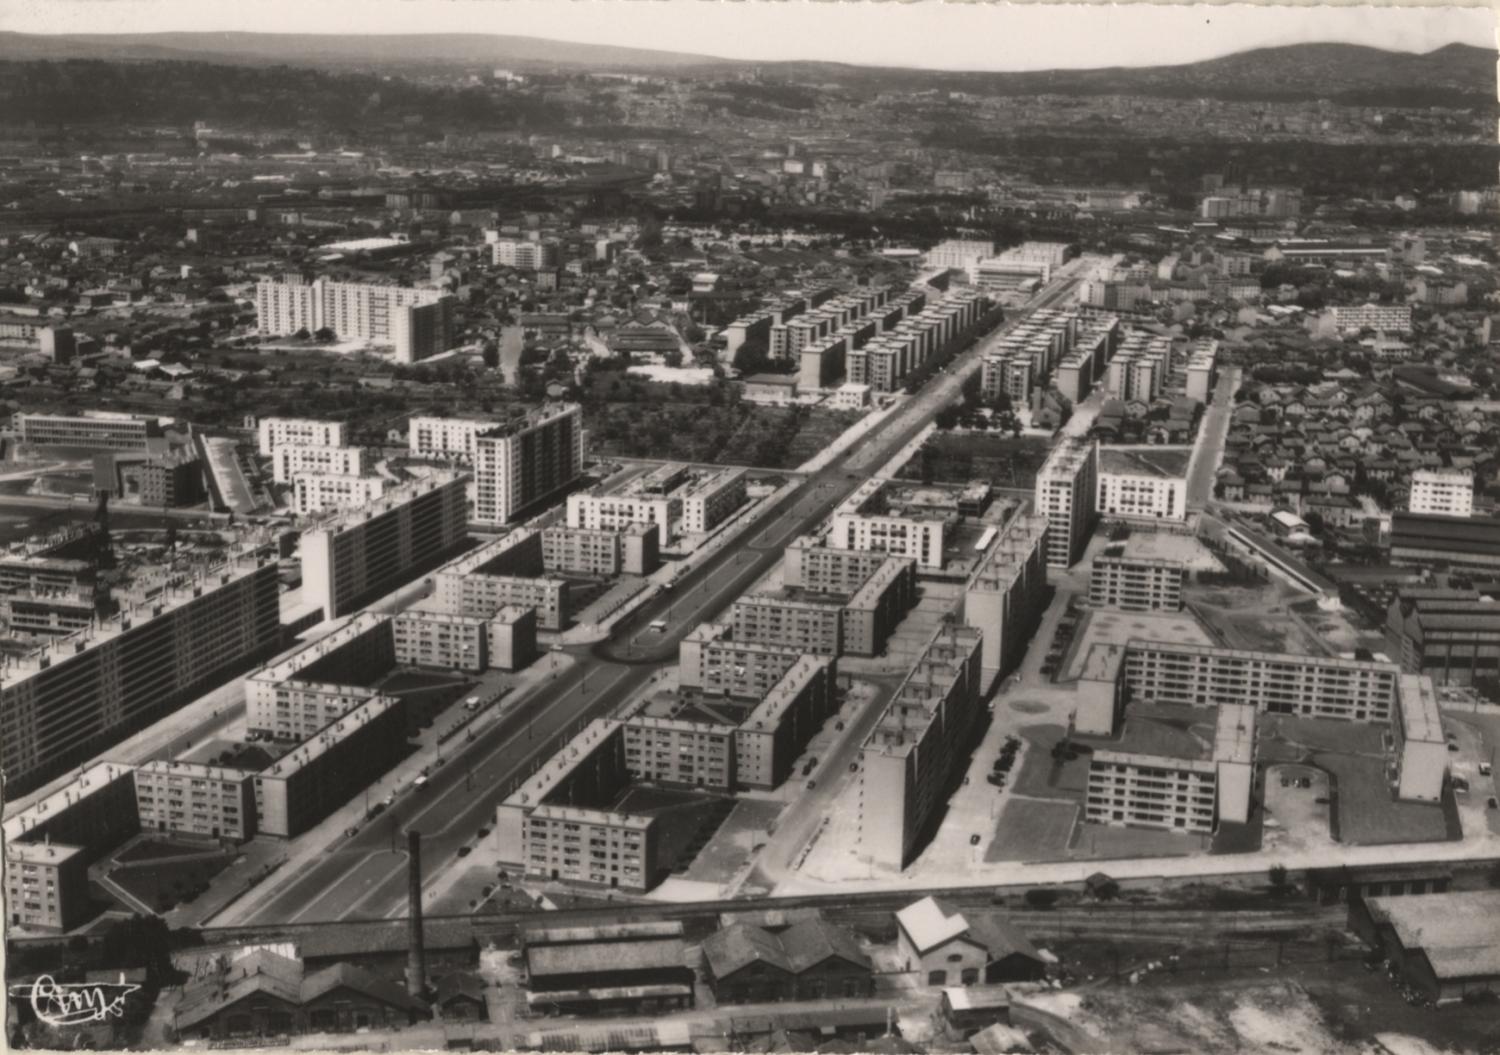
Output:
x=928 y=34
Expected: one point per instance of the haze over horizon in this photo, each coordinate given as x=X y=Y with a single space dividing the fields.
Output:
x=979 y=37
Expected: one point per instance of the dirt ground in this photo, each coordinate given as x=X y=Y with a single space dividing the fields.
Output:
x=1316 y=1009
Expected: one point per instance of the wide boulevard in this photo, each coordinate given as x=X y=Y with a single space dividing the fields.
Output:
x=363 y=876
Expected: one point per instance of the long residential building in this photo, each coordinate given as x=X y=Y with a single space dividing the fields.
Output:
x=415 y=323
x=506 y=571
x=188 y=798
x=290 y=459
x=430 y=436
x=920 y=744
x=1278 y=682
x=1005 y=595
x=352 y=557
x=275 y=433
x=1067 y=495
x=92 y=430
x=314 y=493
x=1136 y=584
x=677 y=499
x=711 y=660
x=519 y=463
x=78 y=694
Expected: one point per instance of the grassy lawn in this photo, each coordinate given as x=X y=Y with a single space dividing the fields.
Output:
x=1367 y=812
x=724 y=433
x=1032 y=831
x=163 y=886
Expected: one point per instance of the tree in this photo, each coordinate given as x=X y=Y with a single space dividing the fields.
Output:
x=324 y=335
x=301 y=334
x=1041 y=897
x=1281 y=883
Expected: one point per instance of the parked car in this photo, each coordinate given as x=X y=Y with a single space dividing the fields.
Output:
x=974 y=840
x=1493 y=803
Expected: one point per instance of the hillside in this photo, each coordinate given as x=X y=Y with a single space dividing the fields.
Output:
x=1456 y=75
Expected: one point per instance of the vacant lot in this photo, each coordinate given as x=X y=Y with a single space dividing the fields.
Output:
x=1004 y=461
x=726 y=434
x=1029 y=830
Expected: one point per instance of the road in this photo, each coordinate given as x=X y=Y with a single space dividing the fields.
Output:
x=363 y=876
x=1212 y=432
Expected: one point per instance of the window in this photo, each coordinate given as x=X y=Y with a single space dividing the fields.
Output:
x=937 y=977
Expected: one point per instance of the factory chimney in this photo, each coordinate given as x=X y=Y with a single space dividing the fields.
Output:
x=416 y=961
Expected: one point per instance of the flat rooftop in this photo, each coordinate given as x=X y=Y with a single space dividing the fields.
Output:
x=1459 y=929
x=94 y=779
x=1153 y=462
x=1160 y=545
x=1120 y=628
x=1167 y=731
x=1421 y=719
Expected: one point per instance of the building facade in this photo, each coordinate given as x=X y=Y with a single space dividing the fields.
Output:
x=519 y=463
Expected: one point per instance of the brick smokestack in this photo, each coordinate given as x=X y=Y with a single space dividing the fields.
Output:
x=416 y=960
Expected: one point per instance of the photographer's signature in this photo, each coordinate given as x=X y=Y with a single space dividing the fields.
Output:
x=74 y=1003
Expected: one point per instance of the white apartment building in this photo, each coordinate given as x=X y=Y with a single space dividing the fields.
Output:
x=518 y=463
x=1445 y=492
x=1138 y=784
x=862 y=522
x=1067 y=495
x=291 y=459
x=1142 y=495
x=416 y=323
x=959 y=254
x=319 y=492
x=707 y=502
x=524 y=254
x=437 y=437
x=301 y=432
x=1386 y=318
x=607 y=512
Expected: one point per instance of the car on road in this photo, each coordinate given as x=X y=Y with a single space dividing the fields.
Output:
x=419 y=783
x=1452 y=746
x=974 y=840
x=1493 y=803
x=376 y=810
x=557 y=646
x=658 y=625
x=854 y=767
x=1484 y=769
x=473 y=703
x=464 y=851
x=811 y=784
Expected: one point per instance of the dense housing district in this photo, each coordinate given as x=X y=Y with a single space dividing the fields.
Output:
x=756 y=588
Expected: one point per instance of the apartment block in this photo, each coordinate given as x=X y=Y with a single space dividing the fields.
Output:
x=1442 y=492
x=709 y=500
x=77 y=695
x=1132 y=485
x=552 y=827
x=322 y=681
x=631 y=550
x=185 y=798
x=804 y=626
x=274 y=433
x=502 y=572
x=415 y=323
x=525 y=254
x=290 y=459
x=1420 y=755
x=1141 y=367
x=1136 y=584
x=807 y=565
x=1067 y=495
x=866 y=520
x=512 y=633
x=439 y=437
x=911 y=759
x=710 y=660
x=442 y=640
x=1005 y=596
x=1202 y=369
x=91 y=430
x=314 y=493
x=50 y=845
x=299 y=789
x=1278 y=682
x=1386 y=318
x=521 y=462
x=352 y=557
x=673 y=751
x=1147 y=781
x=1452 y=636
x=772 y=737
